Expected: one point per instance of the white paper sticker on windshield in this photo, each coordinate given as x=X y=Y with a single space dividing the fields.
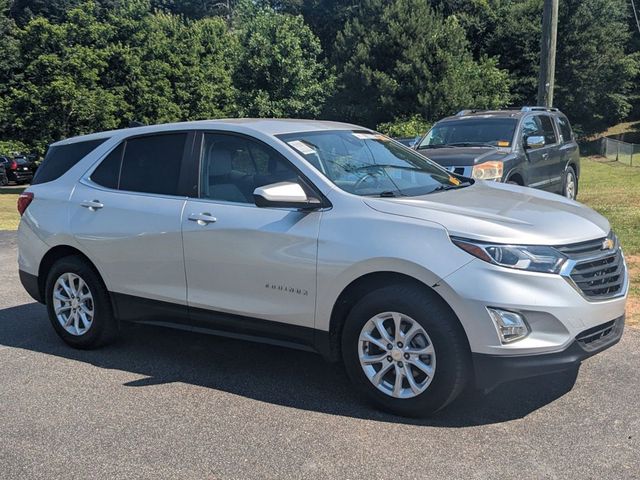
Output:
x=302 y=147
x=366 y=136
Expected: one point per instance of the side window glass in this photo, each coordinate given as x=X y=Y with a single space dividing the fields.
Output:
x=565 y=129
x=108 y=172
x=547 y=127
x=152 y=164
x=531 y=128
x=233 y=167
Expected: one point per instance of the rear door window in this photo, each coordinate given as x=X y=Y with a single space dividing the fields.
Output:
x=565 y=129
x=61 y=158
x=152 y=164
x=108 y=172
x=547 y=128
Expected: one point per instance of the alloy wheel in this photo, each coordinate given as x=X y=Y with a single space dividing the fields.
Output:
x=73 y=304
x=397 y=355
x=570 y=185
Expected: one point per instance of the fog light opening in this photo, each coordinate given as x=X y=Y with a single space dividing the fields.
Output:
x=511 y=326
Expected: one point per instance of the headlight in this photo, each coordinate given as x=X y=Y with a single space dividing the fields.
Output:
x=487 y=171
x=533 y=258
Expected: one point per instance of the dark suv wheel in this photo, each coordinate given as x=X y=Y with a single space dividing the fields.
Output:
x=405 y=350
x=78 y=304
x=570 y=184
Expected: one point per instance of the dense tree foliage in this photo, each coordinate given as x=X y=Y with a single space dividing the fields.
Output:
x=73 y=66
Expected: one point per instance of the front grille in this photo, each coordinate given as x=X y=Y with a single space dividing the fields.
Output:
x=598 y=273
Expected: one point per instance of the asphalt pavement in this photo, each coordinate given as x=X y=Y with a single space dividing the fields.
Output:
x=168 y=404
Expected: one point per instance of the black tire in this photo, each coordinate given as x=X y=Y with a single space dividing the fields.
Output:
x=570 y=175
x=453 y=367
x=4 y=181
x=104 y=327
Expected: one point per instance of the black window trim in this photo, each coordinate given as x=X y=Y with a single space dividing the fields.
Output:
x=183 y=180
x=196 y=160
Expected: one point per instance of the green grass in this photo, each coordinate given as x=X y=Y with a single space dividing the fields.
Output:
x=9 y=217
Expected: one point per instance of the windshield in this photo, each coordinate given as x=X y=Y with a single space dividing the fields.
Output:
x=366 y=163
x=472 y=131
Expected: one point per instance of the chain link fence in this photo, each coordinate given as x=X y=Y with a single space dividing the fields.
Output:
x=623 y=152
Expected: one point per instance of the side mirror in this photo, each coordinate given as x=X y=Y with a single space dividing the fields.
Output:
x=535 y=141
x=284 y=195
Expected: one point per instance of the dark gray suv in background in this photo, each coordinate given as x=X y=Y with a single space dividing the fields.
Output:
x=531 y=146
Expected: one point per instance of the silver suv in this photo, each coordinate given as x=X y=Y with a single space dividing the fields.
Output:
x=326 y=237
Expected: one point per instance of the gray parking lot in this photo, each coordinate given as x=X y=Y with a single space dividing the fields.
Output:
x=167 y=404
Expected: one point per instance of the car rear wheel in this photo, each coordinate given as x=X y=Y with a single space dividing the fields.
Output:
x=405 y=350
x=570 y=186
x=78 y=304
x=4 y=180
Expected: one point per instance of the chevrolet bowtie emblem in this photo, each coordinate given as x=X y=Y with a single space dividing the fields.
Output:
x=607 y=244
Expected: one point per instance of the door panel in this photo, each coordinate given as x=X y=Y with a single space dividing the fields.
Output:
x=539 y=159
x=250 y=261
x=241 y=259
x=135 y=239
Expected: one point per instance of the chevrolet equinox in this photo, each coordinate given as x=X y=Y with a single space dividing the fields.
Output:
x=322 y=236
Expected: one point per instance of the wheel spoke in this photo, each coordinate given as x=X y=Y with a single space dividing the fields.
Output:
x=85 y=321
x=70 y=320
x=65 y=287
x=371 y=359
x=76 y=322
x=412 y=381
x=367 y=337
x=58 y=296
x=397 y=322
x=63 y=308
x=379 y=323
x=428 y=350
x=397 y=385
x=85 y=309
x=420 y=365
x=406 y=337
x=377 y=378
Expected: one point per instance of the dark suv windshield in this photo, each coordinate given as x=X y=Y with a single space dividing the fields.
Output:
x=471 y=131
x=366 y=163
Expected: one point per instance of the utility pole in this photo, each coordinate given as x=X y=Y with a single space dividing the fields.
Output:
x=548 y=53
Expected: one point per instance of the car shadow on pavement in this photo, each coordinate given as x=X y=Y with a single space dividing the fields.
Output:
x=262 y=372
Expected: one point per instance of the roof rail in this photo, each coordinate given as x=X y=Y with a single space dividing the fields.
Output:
x=539 y=109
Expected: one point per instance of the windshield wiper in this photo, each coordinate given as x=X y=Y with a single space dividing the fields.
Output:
x=439 y=145
x=471 y=144
x=442 y=188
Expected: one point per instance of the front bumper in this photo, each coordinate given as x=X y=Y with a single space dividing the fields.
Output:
x=492 y=370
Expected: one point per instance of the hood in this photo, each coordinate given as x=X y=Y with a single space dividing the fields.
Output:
x=463 y=156
x=501 y=213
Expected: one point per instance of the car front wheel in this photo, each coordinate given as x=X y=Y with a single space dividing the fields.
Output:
x=405 y=350
x=570 y=187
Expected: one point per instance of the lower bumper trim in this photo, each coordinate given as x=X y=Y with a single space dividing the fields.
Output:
x=492 y=370
x=30 y=284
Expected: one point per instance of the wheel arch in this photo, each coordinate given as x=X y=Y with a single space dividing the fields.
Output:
x=52 y=256
x=359 y=287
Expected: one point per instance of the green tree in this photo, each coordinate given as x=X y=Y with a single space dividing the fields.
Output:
x=59 y=92
x=596 y=77
x=400 y=58
x=279 y=71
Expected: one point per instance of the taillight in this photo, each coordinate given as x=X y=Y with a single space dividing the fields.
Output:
x=14 y=165
x=24 y=200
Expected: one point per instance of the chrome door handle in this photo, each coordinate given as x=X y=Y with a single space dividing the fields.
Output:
x=202 y=218
x=92 y=205
x=545 y=155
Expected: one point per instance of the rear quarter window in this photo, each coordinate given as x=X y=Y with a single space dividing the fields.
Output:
x=61 y=158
